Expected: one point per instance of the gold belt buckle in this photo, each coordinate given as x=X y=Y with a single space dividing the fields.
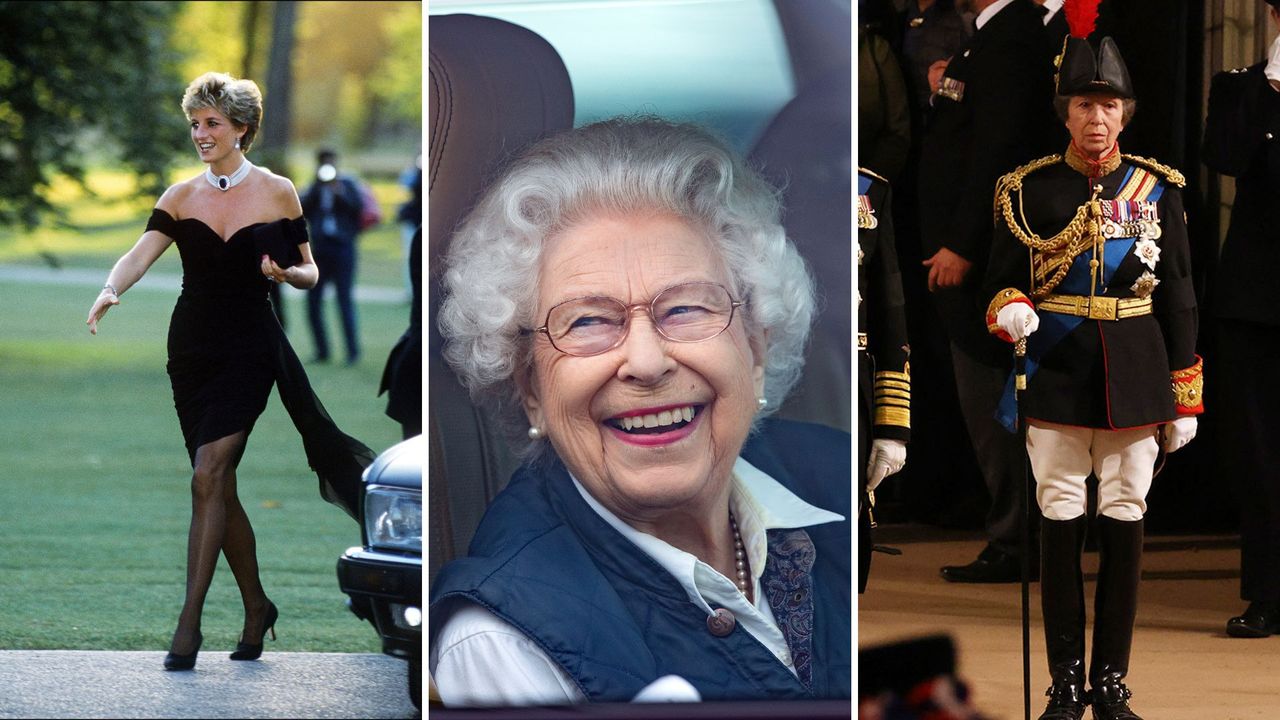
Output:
x=1102 y=308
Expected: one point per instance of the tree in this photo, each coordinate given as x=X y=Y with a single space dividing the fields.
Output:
x=276 y=115
x=398 y=80
x=82 y=82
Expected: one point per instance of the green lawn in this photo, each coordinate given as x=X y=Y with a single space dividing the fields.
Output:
x=95 y=501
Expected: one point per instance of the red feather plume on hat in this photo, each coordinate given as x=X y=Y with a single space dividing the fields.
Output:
x=1082 y=17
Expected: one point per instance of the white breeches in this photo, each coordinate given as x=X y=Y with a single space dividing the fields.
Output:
x=1062 y=457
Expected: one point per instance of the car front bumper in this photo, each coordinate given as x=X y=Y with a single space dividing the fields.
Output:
x=386 y=590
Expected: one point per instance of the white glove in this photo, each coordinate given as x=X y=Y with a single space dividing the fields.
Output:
x=1272 y=70
x=1018 y=320
x=887 y=458
x=1174 y=435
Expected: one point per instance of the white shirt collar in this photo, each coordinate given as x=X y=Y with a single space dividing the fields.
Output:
x=759 y=503
x=1051 y=8
x=990 y=12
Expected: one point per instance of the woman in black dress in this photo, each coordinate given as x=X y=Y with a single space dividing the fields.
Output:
x=238 y=228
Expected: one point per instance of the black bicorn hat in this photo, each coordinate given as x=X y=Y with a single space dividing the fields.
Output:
x=1081 y=71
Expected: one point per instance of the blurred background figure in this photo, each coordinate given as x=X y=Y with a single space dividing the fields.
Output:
x=884 y=373
x=410 y=217
x=333 y=206
x=912 y=680
x=931 y=32
x=884 y=112
x=926 y=32
x=402 y=375
x=1240 y=141
x=991 y=112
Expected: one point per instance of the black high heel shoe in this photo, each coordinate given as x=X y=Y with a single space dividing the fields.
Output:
x=249 y=651
x=174 y=661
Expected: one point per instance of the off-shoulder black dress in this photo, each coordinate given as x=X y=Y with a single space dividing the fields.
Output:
x=226 y=348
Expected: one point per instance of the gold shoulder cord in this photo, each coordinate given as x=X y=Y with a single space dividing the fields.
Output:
x=1058 y=251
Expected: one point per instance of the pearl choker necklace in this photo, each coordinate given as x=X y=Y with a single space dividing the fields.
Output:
x=226 y=182
x=740 y=557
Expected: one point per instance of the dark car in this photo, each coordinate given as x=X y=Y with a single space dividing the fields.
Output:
x=383 y=577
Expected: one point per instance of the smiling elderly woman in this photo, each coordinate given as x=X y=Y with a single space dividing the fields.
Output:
x=626 y=292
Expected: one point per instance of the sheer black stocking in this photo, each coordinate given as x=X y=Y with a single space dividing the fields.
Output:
x=218 y=523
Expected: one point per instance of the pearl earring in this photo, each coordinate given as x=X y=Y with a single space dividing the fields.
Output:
x=237 y=143
x=535 y=433
x=763 y=402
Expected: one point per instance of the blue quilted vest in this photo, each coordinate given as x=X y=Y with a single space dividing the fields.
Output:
x=615 y=621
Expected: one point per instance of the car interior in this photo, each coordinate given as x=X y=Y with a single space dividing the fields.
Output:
x=502 y=75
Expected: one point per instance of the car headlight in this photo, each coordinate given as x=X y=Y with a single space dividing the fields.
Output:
x=393 y=518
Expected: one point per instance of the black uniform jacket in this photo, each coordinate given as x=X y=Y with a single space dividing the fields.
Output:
x=1108 y=374
x=884 y=375
x=1242 y=139
x=993 y=112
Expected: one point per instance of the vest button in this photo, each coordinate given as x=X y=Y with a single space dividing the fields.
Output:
x=722 y=623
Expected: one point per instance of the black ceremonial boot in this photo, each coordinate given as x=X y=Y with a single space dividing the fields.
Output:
x=1062 y=600
x=1115 y=609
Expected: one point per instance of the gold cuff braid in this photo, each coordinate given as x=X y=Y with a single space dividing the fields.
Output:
x=998 y=303
x=1188 y=388
x=892 y=396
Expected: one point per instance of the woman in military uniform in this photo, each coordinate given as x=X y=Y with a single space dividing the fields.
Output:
x=884 y=374
x=1090 y=266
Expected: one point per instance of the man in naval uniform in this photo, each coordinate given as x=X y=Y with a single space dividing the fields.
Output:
x=884 y=372
x=1242 y=139
x=1090 y=265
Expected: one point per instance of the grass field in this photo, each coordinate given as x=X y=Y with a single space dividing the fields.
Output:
x=95 y=500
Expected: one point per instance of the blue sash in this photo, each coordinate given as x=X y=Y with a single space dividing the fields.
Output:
x=864 y=184
x=1055 y=326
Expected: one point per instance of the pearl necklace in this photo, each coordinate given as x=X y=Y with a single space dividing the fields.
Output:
x=226 y=182
x=740 y=557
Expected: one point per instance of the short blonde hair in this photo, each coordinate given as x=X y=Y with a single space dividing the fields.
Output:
x=239 y=100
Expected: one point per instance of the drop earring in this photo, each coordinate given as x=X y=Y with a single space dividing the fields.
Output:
x=762 y=402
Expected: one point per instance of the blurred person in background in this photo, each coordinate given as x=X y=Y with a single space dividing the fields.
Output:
x=884 y=368
x=884 y=111
x=402 y=375
x=1242 y=140
x=992 y=111
x=333 y=206
x=238 y=228
x=409 y=215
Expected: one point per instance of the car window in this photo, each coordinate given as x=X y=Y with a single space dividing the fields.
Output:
x=720 y=63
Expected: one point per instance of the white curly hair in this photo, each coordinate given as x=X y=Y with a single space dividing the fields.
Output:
x=623 y=165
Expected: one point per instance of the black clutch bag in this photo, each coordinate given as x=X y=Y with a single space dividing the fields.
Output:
x=280 y=240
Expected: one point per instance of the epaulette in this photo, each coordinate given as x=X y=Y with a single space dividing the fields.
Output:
x=1025 y=170
x=873 y=174
x=1171 y=174
x=1013 y=178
